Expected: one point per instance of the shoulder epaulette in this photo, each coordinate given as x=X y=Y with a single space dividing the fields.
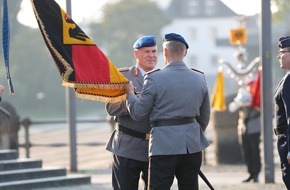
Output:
x=197 y=70
x=154 y=70
x=123 y=69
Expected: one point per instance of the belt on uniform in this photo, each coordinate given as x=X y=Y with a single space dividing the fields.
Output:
x=169 y=122
x=280 y=130
x=144 y=136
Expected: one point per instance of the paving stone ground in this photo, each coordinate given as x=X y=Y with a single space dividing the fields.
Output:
x=93 y=159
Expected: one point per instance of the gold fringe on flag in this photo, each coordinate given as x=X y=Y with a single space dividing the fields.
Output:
x=81 y=63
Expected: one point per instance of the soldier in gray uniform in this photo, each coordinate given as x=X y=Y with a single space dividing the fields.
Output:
x=250 y=131
x=129 y=140
x=177 y=99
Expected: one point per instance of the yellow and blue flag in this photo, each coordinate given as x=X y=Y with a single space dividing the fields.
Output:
x=5 y=44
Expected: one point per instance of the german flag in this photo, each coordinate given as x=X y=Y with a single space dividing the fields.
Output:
x=81 y=64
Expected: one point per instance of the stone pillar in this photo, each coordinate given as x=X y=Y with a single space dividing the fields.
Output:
x=9 y=126
x=225 y=138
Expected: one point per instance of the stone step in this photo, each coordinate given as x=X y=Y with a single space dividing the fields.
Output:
x=27 y=173
x=8 y=154
x=70 y=180
x=20 y=164
x=34 y=173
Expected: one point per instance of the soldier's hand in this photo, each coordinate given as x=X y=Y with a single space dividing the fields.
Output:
x=137 y=94
x=129 y=88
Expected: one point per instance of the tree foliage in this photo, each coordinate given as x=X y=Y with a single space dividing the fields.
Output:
x=123 y=23
x=36 y=80
x=283 y=11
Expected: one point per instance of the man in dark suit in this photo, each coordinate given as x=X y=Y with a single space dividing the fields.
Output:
x=282 y=110
x=129 y=140
x=176 y=97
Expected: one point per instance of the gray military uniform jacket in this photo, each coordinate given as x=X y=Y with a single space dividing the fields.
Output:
x=122 y=144
x=252 y=120
x=171 y=93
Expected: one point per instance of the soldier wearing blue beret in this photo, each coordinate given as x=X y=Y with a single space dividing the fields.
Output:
x=175 y=37
x=145 y=41
x=282 y=110
x=129 y=140
x=177 y=100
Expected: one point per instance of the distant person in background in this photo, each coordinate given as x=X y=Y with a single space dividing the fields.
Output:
x=2 y=109
x=2 y=89
x=129 y=140
x=251 y=140
x=282 y=110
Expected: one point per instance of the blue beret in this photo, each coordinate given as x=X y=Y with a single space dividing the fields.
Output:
x=145 y=41
x=175 y=37
x=284 y=42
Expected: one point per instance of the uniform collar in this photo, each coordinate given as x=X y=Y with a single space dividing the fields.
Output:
x=139 y=70
x=176 y=64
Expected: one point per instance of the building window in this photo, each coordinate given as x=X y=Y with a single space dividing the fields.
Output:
x=214 y=60
x=210 y=6
x=213 y=33
x=192 y=34
x=192 y=7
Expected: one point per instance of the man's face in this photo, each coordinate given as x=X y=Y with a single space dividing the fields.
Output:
x=146 y=57
x=284 y=58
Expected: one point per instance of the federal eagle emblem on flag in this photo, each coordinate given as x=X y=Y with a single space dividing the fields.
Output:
x=81 y=63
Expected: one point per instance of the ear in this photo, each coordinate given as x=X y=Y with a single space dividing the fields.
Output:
x=135 y=53
x=165 y=51
x=185 y=53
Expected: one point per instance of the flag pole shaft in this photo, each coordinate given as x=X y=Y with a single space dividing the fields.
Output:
x=71 y=115
x=200 y=173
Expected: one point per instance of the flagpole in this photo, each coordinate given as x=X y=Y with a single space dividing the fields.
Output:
x=265 y=53
x=71 y=115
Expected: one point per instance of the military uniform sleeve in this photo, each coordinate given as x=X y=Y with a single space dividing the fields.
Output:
x=140 y=107
x=286 y=100
x=203 y=118
x=117 y=109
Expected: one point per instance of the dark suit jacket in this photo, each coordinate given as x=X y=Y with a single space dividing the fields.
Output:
x=282 y=105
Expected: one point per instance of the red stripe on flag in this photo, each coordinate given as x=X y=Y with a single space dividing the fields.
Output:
x=90 y=64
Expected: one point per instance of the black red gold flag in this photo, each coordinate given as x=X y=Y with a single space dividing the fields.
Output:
x=81 y=63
